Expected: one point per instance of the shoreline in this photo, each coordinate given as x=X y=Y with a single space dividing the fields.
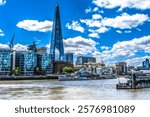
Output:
x=41 y=77
x=9 y=78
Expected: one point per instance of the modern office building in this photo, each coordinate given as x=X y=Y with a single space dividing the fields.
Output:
x=81 y=60
x=121 y=68
x=69 y=57
x=57 y=48
x=26 y=62
x=5 y=61
x=44 y=62
x=146 y=64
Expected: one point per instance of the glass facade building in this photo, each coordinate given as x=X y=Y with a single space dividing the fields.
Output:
x=5 y=61
x=45 y=63
x=146 y=64
x=57 y=48
x=69 y=57
x=26 y=61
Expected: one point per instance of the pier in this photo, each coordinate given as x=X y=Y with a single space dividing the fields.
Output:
x=136 y=82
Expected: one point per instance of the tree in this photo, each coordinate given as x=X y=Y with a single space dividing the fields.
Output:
x=67 y=69
x=37 y=70
x=16 y=71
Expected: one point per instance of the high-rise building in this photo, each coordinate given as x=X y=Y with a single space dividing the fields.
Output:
x=5 y=61
x=146 y=64
x=81 y=60
x=57 y=48
x=69 y=57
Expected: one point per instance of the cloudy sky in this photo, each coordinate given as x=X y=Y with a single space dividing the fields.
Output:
x=110 y=30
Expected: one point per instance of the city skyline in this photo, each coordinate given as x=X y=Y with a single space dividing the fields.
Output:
x=110 y=30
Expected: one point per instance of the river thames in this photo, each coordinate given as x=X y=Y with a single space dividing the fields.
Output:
x=69 y=90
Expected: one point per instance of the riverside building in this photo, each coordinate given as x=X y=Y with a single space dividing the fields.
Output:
x=45 y=63
x=26 y=62
x=5 y=61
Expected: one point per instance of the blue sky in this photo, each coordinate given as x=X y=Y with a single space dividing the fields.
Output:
x=110 y=30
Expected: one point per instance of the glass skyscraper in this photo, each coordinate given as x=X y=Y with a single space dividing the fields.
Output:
x=5 y=61
x=57 y=48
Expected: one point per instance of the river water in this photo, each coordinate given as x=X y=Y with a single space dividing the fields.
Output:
x=69 y=90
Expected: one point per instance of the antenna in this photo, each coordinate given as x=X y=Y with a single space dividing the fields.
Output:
x=57 y=3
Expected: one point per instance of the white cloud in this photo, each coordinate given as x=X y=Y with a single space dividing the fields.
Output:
x=96 y=16
x=95 y=9
x=75 y=26
x=20 y=47
x=101 y=11
x=138 y=29
x=102 y=30
x=79 y=45
x=17 y=47
x=138 y=4
x=1 y=33
x=94 y=35
x=136 y=61
x=4 y=46
x=2 y=2
x=125 y=21
x=128 y=31
x=125 y=49
x=105 y=47
x=91 y=22
x=88 y=10
x=119 y=31
x=35 y=25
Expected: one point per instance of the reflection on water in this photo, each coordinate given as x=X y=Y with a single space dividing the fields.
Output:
x=68 y=90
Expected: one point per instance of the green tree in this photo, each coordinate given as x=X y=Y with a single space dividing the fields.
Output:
x=16 y=71
x=67 y=69
x=37 y=70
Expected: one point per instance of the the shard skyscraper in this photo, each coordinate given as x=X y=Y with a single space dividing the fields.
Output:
x=57 y=48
